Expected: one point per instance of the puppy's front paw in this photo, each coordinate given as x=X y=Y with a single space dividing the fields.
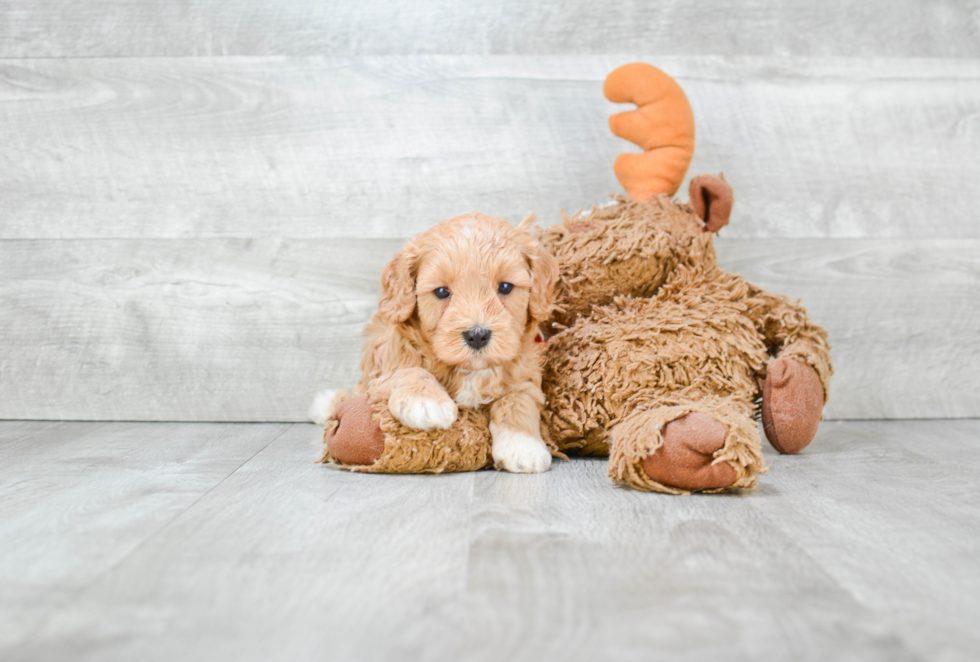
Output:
x=518 y=452
x=424 y=412
x=322 y=407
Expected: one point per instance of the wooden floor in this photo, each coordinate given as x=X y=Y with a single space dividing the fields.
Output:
x=197 y=199
x=197 y=541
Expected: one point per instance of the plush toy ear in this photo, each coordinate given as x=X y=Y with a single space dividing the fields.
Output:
x=712 y=199
x=544 y=273
x=398 y=286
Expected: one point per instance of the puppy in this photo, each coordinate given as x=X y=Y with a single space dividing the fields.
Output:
x=455 y=327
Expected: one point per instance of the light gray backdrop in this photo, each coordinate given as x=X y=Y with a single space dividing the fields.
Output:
x=196 y=197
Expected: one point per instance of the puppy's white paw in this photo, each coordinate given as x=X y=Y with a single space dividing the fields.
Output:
x=424 y=413
x=322 y=406
x=518 y=452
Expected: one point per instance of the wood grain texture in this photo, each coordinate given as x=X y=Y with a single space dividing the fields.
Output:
x=249 y=330
x=903 y=318
x=61 y=28
x=869 y=486
x=386 y=146
x=861 y=548
x=76 y=499
x=218 y=330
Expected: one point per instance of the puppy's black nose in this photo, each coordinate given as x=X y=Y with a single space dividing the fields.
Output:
x=476 y=337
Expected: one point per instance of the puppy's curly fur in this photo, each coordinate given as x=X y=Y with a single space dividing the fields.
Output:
x=469 y=274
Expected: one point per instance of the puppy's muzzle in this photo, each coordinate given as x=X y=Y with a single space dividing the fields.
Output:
x=476 y=337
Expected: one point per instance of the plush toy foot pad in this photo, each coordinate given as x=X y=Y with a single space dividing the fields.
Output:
x=357 y=438
x=792 y=403
x=685 y=458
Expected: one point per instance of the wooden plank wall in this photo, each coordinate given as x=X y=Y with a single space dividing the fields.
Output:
x=196 y=198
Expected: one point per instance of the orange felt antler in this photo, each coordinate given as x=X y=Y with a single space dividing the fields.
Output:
x=662 y=124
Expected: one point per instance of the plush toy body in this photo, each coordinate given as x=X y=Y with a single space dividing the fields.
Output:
x=666 y=356
x=657 y=357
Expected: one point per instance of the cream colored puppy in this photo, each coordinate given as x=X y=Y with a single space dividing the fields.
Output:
x=456 y=326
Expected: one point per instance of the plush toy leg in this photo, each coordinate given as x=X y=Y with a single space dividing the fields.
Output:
x=363 y=435
x=355 y=438
x=792 y=404
x=686 y=458
x=705 y=446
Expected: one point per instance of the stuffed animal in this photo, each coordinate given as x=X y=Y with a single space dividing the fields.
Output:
x=655 y=356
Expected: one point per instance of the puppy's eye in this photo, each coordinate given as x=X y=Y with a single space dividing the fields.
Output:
x=441 y=292
x=505 y=288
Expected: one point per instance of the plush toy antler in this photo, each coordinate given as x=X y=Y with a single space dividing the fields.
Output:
x=662 y=124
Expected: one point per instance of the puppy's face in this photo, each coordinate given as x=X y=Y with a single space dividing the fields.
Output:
x=479 y=287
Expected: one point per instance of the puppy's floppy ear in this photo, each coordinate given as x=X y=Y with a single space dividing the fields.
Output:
x=398 y=286
x=530 y=227
x=544 y=272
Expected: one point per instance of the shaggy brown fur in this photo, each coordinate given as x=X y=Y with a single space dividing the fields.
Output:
x=671 y=334
x=659 y=357
x=648 y=329
x=465 y=446
x=426 y=381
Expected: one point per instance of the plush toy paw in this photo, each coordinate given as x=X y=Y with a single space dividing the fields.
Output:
x=792 y=404
x=357 y=438
x=423 y=409
x=686 y=456
x=518 y=452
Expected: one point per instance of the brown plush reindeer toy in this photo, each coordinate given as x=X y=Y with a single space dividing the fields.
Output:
x=656 y=357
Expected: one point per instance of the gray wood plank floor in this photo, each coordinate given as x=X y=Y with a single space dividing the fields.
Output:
x=239 y=330
x=196 y=197
x=139 y=541
x=385 y=147
x=126 y=28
